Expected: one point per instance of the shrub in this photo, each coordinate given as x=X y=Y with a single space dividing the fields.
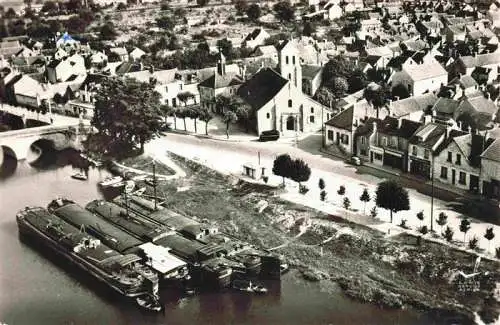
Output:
x=265 y=179
x=473 y=242
x=424 y=230
x=448 y=234
x=322 y=195
x=303 y=189
x=347 y=203
x=403 y=224
x=341 y=190
x=321 y=184
x=373 y=212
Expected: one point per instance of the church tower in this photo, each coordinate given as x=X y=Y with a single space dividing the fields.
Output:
x=289 y=63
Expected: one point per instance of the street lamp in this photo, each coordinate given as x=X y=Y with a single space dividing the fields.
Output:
x=154 y=182
x=432 y=194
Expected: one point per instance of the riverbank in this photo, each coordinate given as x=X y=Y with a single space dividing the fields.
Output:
x=392 y=272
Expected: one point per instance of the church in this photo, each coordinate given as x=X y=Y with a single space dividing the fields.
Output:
x=277 y=97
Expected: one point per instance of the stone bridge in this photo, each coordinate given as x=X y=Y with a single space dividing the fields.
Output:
x=17 y=143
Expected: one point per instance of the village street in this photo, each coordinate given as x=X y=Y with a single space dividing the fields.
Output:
x=228 y=157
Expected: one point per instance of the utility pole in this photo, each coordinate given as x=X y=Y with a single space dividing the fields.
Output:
x=432 y=195
x=126 y=200
x=154 y=182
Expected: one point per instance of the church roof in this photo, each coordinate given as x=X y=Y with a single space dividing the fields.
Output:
x=262 y=87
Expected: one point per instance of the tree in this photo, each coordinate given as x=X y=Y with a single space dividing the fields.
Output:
x=253 y=12
x=127 y=114
x=420 y=216
x=206 y=116
x=121 y=6
x=442 y=220
x=325 y=96
x=424 y=230
x=226 y=47
x=308 y=29
x=347 y=203
x=165 y=22
x=201 y=3
x=241 y=6
x=28 y=3
x=76 y=25
x=365 y=198
x=300 y=171
x=229 y=117
x=373 y=212
x=341 y=190
x=284 y=11
x=464 y=227
x=448 y=234
x=392 y=196
x=50 y=7
x=182 y=112
x=489 y=235
x=321 y=184
x=322 y=195
x=282 y=166
x=11 y=13
x=74 y=5
x=185 y=96
x=193 y=113
x=107 y=32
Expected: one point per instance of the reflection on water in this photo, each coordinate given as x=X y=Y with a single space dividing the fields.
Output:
x=57 y=294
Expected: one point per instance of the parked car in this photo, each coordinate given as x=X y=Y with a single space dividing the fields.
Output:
x=355 y=161
x=271 y=135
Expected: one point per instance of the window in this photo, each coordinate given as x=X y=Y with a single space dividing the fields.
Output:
x=449 y=156
x=459 y=159
x=286 y=59
x=289 y=103
x=289 y=76
x=461 y=178
x=327 y=116
x=426 y=154
x=444 y=172
x=363 y=152
x=377 y=156
x=174 y=102
x=180 y=86
x=311 y=119
x=362 y=140
x=312 y=110
x=293 y=59
x=414 y=150
x=330 y=135
x=268 y=115
x=345 y=139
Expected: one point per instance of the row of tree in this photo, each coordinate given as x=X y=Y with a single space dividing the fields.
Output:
x=294 y=169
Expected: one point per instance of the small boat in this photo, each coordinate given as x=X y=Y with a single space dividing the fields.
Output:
x=259 y=289
x=110 y=181
x=242 y=285
x=79 y=176
x=149 y=302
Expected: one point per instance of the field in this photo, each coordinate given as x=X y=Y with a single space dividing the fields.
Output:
x=390 y=271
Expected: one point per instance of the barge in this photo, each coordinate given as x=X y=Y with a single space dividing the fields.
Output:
x=122 y=273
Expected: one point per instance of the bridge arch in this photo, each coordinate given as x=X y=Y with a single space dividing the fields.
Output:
x=40 y=152
x=8 y=161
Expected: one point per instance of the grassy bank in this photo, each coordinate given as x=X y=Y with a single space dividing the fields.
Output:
x=145 y=163
x=390 y=271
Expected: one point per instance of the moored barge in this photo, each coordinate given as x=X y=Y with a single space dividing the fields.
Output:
x=123 y=273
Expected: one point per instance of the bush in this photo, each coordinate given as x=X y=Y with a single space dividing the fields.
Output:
x=265 y=179
x=424 y=230
x=341 y=190
x=322 y=195
x=347 y=203
x=303 y=189
x=321 y=184
x=403 y=224
x=473 y=242
x=448 y=234
x=373 y=212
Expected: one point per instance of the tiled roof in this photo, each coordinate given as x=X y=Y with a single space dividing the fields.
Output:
x=267 y=50
x=309 y=71
x=428 y=135
x=367 y=126
x=217 y=81
x=480 y=60
x=493 y=151
x=446 y=105
x=425 y=70
x=262 y=87
x=343 y=120
x=412 y=104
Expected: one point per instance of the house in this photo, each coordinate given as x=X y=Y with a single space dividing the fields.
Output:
x=465 y=65
x=120 y=52
x=311 y=78
x=445 y=109
x=267 y=51
x=256 y=38
x=477 y=113
x=62 y=70
x=422 y=146
x=220 y=82
x=412 y=108
x=490 y=171
x=9 y=48
x=67 y=42
x=60 y=54
x=340 y=129
x=389 y=143
x=98 y=59
x=136 y=54
x=29 y=92
x=455 y=33
x=421 y=78
x=457 y=161
x=332 y=11
x=464 y=85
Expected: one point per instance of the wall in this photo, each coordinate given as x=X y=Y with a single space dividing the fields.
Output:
x=347 y=147
x=441 y=160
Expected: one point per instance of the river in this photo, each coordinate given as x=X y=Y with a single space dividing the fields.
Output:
x=35 y=289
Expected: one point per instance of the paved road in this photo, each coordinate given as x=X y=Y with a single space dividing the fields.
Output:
x=308 y=150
